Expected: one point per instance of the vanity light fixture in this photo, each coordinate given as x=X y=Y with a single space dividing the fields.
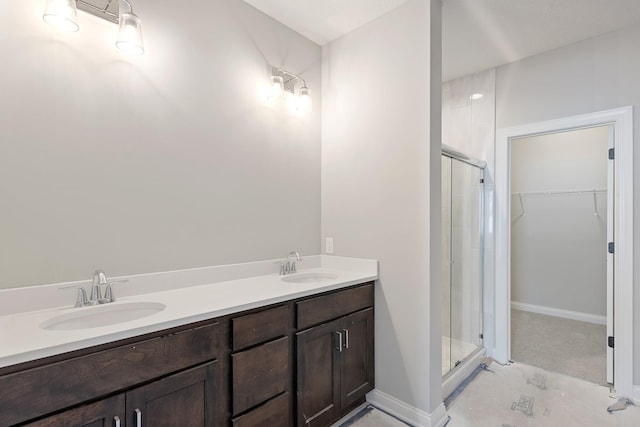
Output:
x=285 y=81
x=63 y=14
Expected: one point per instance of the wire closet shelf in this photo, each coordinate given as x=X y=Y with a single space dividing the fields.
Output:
x=592 y=192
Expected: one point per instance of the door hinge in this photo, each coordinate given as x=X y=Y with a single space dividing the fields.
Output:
x=481 y=180
x=611 y=247
x=481 y=336
x=612 y=153
x=610 y=342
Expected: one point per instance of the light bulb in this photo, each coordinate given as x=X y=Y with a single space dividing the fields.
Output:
x=277 y=87
x=61 y=14
x=304 y=103
x=130 y=34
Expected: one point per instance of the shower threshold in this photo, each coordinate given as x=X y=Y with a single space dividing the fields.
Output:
x=452 y=379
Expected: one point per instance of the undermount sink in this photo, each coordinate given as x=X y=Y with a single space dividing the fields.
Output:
x=102 y=315
x=309 y=278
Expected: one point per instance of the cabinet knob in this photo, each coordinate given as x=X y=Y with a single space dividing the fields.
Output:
x=339 y=348
x=116 y=421
x=346 y=338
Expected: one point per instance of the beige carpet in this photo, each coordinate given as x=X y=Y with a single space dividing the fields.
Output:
x=519 y=395
x=569 y=347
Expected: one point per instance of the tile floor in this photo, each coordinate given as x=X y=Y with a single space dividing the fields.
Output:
x=520 y=395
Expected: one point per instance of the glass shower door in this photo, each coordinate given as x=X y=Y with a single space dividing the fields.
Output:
x=462 y=244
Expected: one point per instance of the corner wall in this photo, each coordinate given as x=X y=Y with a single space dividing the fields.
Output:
x=380 y=174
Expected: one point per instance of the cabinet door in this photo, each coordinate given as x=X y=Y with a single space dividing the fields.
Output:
x=104 y=413
x=357 y=357
x=318 y=382
x=186 y=399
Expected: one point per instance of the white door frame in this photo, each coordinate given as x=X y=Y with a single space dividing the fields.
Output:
x=622 y=120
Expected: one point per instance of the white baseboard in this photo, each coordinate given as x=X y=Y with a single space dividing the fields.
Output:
x=557 y=312
x=636 y=394
x=407 y=413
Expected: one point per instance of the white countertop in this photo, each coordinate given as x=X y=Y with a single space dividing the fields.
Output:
x=23 y=340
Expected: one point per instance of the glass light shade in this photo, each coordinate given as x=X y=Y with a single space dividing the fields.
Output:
x=61 y=14
x=130 y=34
x=277 y=87
x=304 y=104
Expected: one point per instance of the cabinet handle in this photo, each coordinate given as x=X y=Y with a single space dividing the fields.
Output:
x=138 y=417
x=346 y=338
x=116 y=420
x=339 y=348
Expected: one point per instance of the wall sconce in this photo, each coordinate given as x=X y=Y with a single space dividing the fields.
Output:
x=285 y=81
x=63 y=14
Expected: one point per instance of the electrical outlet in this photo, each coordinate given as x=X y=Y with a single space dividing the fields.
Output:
x=329 y=245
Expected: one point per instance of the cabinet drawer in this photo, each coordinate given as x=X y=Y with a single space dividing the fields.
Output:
x=260 y=374
x=260 y=327
x=38 y=391
x=274 y=413
x=324 y=308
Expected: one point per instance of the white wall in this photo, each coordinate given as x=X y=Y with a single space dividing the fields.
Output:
x=166 y=161
x=380 y=172
x=558 y=247
x=593 y=75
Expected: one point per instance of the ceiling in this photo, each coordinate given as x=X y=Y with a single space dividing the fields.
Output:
x=477 y=34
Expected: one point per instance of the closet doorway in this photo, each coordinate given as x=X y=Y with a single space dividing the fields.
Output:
x=559 y=233
x=620 y=342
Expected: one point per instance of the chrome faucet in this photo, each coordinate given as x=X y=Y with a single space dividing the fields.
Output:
x=289 y=266
x=99 y=280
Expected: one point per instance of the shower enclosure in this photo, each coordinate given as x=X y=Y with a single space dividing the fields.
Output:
x=462 y=257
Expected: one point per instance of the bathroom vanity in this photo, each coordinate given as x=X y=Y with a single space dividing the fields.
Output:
x=296 y=361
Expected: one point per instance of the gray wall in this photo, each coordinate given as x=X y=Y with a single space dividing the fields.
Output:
x=593 y=75
x=166 y=161
x=558 y=247
x=380 y=174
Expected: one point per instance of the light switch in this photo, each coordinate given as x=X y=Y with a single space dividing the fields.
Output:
x=329 y=245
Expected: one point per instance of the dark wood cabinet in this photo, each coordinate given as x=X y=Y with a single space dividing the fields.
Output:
x=335 y=363
x=93 y=375
x=261 y=368
x=275 y=413
x=187 y=399
x=103 y=413
x=357 y=368
x=318 y=382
